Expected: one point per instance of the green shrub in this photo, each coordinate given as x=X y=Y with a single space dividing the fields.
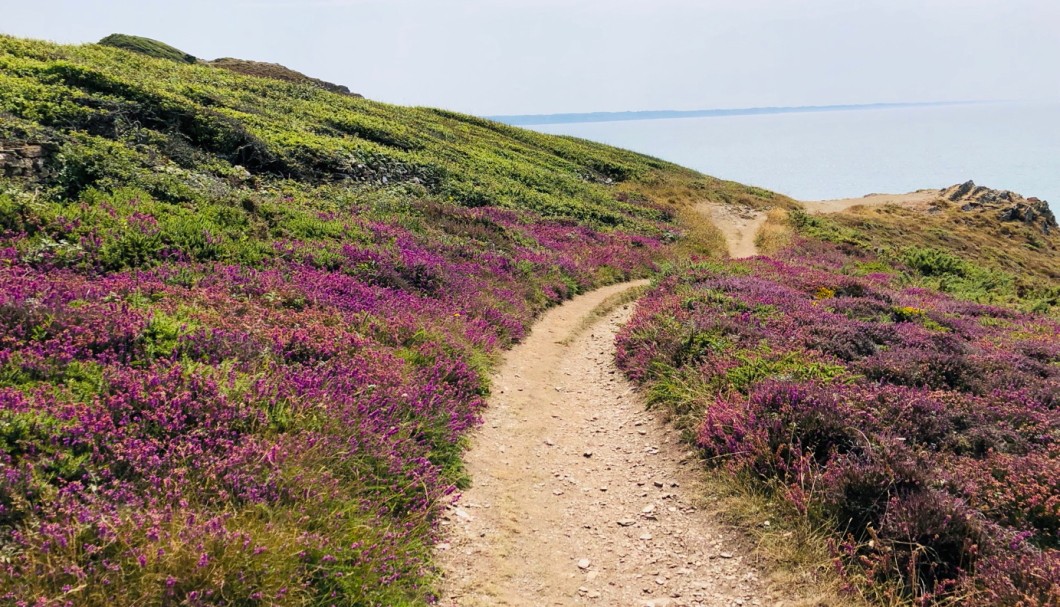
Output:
x=933 y=262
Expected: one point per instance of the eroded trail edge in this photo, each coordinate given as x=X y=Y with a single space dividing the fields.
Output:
x=580 y=495
x=738 y=224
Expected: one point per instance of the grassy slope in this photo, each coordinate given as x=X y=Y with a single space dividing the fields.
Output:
x=968 y=254
x=245 y=323
x=971 y=255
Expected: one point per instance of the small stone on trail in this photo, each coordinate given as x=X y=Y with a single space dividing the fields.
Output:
x=588 y=454
x=626 y=522
x=584 y=564
x=549 y=442
x=726 y=555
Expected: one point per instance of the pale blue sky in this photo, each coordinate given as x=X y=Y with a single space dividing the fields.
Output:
x=542 y=56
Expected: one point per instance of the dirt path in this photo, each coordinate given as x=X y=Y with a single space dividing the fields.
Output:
x=738 y=224
x=580 y=495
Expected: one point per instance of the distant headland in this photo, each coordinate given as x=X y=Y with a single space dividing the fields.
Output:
x=533 y=119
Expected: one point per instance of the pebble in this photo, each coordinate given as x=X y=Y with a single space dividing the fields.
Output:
x=584 y=564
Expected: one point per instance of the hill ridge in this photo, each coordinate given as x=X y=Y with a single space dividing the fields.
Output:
x=260 y=69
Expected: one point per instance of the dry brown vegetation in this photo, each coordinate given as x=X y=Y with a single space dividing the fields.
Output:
x=979 y=237
x=775 y=233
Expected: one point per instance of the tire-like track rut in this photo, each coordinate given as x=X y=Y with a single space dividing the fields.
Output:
x=581 y=496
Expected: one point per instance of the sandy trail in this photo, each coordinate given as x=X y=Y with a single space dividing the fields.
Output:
x=920 y=199
x=739 y=225
x=580 y=495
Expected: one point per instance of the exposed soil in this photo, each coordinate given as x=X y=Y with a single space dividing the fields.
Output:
x=739 y=225
x=582 y=496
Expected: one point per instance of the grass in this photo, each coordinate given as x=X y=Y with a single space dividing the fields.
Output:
x=793 y=550
x=775 y=234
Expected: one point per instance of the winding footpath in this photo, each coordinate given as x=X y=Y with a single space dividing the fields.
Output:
x=580 y=495
x=738 y=224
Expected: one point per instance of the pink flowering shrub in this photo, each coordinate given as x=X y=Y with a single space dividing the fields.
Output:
x=182 y=430
x=923 y=428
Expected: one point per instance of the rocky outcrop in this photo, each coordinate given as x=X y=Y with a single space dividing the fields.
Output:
x=24 y=160
x=1008 y=206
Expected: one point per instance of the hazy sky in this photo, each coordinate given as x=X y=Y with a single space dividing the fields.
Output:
x=542 y=56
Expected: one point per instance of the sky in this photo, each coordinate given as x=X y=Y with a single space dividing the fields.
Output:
x=491 y=57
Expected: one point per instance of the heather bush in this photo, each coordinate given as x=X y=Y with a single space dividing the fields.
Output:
x=921 y=429
x=174 y=427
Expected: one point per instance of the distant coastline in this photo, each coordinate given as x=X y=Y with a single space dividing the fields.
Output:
x=536 y=119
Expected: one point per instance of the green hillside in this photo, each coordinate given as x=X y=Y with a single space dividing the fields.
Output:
x=245 y=323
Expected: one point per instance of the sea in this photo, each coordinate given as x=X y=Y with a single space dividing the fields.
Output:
x=830 y=154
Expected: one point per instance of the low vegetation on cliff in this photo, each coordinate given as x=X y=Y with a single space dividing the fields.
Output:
x=919 y=429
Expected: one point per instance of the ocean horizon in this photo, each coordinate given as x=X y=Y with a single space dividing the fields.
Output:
x=830 y=152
